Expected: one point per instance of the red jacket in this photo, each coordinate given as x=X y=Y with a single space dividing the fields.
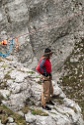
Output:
x=44 y=66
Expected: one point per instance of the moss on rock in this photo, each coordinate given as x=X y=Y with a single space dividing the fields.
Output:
x=73 y=78
x=6 y=112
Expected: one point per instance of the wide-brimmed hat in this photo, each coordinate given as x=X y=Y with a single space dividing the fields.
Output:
x=48 y=51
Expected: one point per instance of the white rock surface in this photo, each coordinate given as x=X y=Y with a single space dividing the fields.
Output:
x=27 y=91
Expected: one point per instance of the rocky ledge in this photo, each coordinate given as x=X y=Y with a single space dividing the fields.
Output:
x=20 y=92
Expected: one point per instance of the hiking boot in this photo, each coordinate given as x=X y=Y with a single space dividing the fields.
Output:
x=51 y=103
x=46 y=107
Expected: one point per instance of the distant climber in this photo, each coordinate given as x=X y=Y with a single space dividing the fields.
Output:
x=4 y=42
x=45 y=68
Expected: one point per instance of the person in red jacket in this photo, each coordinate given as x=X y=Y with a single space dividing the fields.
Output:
x=45 y=68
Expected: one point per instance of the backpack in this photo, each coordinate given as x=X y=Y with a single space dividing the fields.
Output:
x=38 y=66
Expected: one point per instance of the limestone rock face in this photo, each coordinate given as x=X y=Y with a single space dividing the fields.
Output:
x=38 y=24
x=21 y=90
x=47 y=23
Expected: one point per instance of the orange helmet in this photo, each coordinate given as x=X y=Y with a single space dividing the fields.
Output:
x=4 y=42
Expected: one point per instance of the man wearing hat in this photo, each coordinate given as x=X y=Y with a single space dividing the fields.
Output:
x=45 y=68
